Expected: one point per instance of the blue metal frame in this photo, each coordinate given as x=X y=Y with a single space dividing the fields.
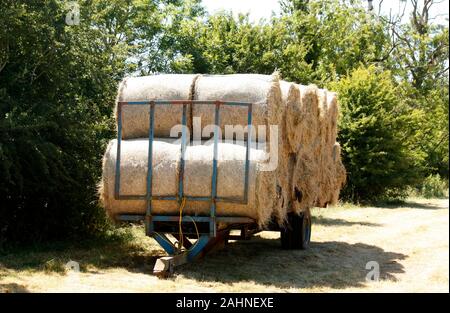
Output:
x=213 y=199
x=192 y=253
x=185 y=218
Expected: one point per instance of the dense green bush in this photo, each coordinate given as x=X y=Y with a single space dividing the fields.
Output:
x=58 y=83
x=434 y=187
x=54 y=108
x=376 y=153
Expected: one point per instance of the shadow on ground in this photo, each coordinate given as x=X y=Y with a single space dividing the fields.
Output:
x=13 y=288
x=332 y=264
x=135 y=257
x=320 y=220
x=411 y=204
x=325 y=264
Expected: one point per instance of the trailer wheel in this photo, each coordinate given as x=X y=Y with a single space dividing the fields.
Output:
x=297 y=233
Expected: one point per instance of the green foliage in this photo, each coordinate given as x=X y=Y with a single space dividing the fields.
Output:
x=338 y=37
x=434 y=187
x=317 y=44
x=49 y=143
x=57 y=89
x=419 y=61
x=375 y=150
x=160 y=54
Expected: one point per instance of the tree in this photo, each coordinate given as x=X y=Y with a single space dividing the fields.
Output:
x=310 y=42
x=57 y=88
x=338 y=36
x=375 y=151
x=418 y=57
x=162 y=53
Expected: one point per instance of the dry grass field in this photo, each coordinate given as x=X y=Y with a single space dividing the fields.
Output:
x=410 y=242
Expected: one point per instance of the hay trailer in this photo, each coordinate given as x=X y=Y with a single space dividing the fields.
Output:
x=204 y=229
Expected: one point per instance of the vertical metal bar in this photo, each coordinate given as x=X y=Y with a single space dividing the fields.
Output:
x=183 y=152
x=119 y=143
x=247 y=152
x=212 y=222
x=148 y=214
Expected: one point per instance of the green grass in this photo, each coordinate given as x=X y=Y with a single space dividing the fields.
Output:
x=124 y=246
x=344 y=239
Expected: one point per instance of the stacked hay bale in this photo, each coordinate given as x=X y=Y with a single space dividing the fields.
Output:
x=304 y=136
x=136 y=117
x=263 y=91
x=268 y=109
x=197 y=173
x=318 y=174
x=293 y=166
x=286 y=160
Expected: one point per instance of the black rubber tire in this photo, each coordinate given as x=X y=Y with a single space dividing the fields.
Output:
x=306 y=232
x=297 y=233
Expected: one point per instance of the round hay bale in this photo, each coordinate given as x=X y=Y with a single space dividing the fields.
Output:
x=197 y=179
x=135 y=118
x=294 y=120
x=305 y=182
x=284 y=168
x=333 y=115
x=304 y=168
x=268 y=109
x=340 y=173
x=261 y=90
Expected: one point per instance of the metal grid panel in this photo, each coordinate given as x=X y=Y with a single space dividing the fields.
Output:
x=213 y=199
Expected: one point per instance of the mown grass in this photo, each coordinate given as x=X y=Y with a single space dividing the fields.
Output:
x=124 y=246
x=128 y=247
x=344 y=239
